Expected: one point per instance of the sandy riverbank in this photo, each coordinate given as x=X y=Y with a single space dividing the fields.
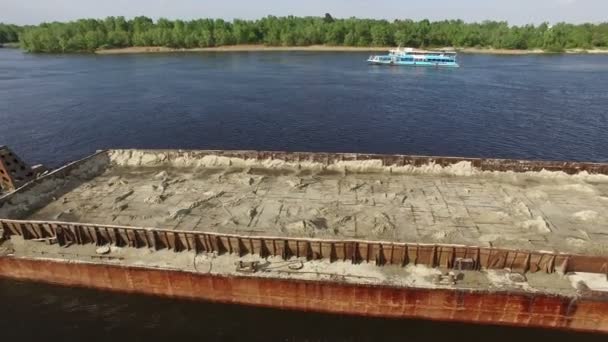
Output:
x=237 y=48
x=528 y=52
x=320 y=48
x=492 y=51
x=9 y=45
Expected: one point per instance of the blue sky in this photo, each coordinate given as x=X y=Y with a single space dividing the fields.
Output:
x=515 y=11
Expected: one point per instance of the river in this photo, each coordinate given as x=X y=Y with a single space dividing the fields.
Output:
x=56 y=108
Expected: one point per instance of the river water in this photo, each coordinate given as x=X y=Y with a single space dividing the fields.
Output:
x=56 y=108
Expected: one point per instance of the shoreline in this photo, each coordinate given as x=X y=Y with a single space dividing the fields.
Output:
x=325 y=48
x=9 y=45
x=492 y=51
x=235 y=48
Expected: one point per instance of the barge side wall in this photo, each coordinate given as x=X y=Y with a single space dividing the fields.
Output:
x=379 y=252
x=515 y=309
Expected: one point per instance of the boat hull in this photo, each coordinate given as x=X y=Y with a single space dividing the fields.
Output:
x=413 y=64
x=481 y=307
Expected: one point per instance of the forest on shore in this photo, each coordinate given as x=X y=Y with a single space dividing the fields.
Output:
x=118 y=32
x=9 y=33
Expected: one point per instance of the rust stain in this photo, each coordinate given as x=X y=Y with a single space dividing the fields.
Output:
x=13 y=171
x=380 y=252
x=516 y=309
x=589 y=312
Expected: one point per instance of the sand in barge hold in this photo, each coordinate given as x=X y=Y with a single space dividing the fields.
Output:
x=457 y=204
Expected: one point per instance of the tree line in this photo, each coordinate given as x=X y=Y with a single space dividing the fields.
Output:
x=9 y=33
x=118 y=32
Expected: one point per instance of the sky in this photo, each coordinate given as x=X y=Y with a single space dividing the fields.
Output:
x=516 y=12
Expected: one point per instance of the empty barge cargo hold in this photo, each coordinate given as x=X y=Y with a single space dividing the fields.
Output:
x=474 y=240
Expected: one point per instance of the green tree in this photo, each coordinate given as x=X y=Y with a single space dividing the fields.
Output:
x=118 y=38
x=9 y=33
x=350 y=39
x=93 y=40
x=91 y=34
x=381 y=35
x=555 y=38
x=222 y=33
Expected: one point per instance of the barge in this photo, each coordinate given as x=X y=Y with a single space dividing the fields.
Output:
x=487 y=241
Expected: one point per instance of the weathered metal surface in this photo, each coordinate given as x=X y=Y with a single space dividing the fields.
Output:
x=588 y=312
x=518 y=309
x=13 y=171
x=60 y=173
x=380 y=252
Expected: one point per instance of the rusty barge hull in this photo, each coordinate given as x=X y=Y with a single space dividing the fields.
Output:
x=431 y=239
x=513 y=309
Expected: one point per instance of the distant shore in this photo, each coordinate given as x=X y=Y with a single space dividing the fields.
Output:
x=236 y=48
x=9 y=45
x=319 y=48
x=529 y=52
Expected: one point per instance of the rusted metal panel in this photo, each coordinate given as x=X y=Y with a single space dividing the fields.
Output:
x=514 y=308
x=58 y=174
x=356 y=250
x=13 y=228
x=13 y=171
